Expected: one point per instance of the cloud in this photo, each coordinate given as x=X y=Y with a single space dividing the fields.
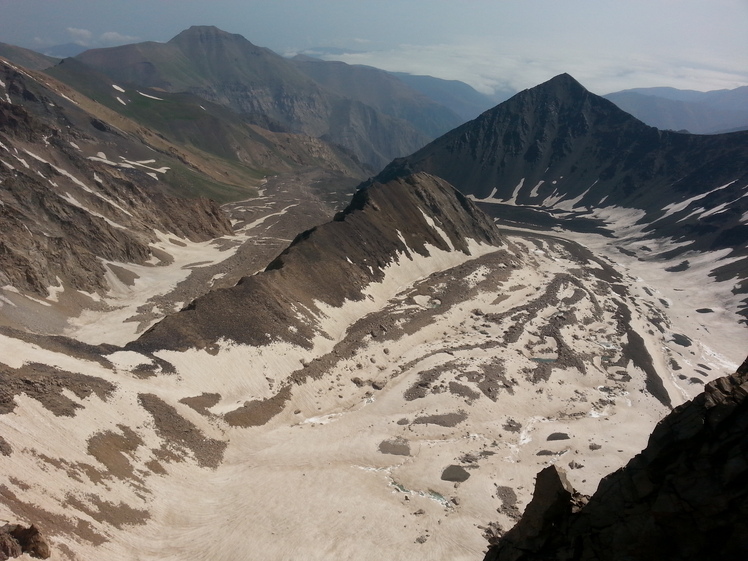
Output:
x=80 y=36
x=116 y=38
x=488 y=67
x=87 y=38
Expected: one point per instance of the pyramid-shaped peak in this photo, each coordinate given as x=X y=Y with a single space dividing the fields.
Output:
x=561 y=83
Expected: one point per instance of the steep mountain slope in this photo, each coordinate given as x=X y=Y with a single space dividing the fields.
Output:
x=67 y=207
x=671 y=501
x=382 y=91
x=697 y=112
x=458 y=96
x=229 y=70
x=26 y=58
x=574 y=159
x=191 y=122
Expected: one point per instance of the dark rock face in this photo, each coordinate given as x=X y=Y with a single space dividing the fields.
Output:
x=684 y=497
x=63 y=212
x=330 y=264
x=560 y=131
x=15 y=540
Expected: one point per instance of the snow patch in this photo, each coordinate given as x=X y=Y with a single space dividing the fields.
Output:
x=150 y=96
x=513 y=199
x=678 y=207
x=534 y=192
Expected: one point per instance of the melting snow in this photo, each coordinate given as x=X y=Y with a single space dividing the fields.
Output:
x=571 y=203
x=78 y=182
x=150 y=96
x=534 y=192
x=513 y=199
x=677 y=207
x=101 y=157
x=73 y=201
x=142 y=165
x=66 y=97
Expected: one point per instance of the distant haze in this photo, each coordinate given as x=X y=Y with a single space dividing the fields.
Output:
x=608 y=45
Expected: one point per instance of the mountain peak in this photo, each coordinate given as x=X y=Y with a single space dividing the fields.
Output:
x=204 y=34
x=560 y=86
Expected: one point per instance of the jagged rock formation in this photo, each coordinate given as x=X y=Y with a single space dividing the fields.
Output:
x=227 y=69
x=684 y=497
x=65 y=207
x=561 y=149
x=15 y=540
x=338 y=260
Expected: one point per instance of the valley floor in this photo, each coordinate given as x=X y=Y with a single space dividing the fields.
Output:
x=424 y=422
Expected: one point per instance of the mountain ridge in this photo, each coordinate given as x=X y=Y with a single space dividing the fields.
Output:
x=712 y=112
x=360 y=243
x=228 y=69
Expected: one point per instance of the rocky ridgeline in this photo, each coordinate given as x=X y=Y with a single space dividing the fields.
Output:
x=684 y=497
x=64 y=208
x=330 y=264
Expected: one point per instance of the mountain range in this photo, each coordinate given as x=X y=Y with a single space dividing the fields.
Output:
x=216 y=341
x=710 y=112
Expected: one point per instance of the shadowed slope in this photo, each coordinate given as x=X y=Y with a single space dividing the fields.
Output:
x=683 y=497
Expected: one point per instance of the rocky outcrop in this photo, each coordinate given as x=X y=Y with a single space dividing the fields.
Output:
x=684 y=497
x=15 y=540
x=329 y=265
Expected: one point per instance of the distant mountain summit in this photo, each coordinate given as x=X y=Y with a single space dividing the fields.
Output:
x=560 y=142
x=228 y=69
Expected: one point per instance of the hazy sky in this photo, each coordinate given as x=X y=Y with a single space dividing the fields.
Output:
x=608 y=45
